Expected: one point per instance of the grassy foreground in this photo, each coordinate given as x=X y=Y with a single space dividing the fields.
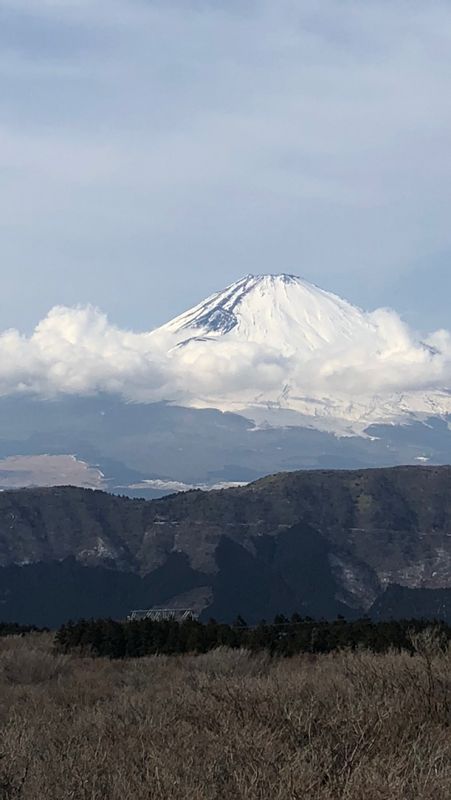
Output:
x=225 y=724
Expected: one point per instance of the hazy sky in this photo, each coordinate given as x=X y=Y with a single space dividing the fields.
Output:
x=152 y=152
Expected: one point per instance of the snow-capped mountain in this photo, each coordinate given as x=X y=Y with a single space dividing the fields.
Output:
x=280 y=311
x=283 y=351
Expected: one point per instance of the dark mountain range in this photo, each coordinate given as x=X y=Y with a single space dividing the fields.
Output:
x=321 y=543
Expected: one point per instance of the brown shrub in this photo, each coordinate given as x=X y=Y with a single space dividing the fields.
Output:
x=225 y=725
x=26 y=661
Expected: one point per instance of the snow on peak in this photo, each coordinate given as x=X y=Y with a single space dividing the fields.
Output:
x=281 y=311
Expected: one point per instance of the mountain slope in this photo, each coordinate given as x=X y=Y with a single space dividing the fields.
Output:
x=318 y=542
x=142 y=449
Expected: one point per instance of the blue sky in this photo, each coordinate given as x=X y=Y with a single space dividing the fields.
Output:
x=152 y=152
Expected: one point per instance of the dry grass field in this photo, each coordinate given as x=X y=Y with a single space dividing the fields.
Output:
x=224 y=725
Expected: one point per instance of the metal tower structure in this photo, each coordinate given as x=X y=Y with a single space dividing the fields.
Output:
x=161 y=614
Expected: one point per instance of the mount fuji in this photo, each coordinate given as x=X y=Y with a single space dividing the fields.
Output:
x=271 y=374
x=282 y=351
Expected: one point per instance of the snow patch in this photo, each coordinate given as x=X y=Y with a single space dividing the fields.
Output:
x=178 y=486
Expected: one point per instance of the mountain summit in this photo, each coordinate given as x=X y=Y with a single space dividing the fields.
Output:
x=279 y=311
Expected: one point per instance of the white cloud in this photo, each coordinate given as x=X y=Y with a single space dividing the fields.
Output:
x=382 y=373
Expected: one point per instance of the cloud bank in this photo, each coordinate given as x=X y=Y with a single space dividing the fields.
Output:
x=385 y=373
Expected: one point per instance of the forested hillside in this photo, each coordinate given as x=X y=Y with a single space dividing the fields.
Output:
x=319 y=543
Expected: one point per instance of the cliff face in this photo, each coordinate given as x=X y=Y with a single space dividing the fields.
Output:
x=318 y=542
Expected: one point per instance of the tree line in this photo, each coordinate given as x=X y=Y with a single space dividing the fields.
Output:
x=14 y=629
x=285 y=637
